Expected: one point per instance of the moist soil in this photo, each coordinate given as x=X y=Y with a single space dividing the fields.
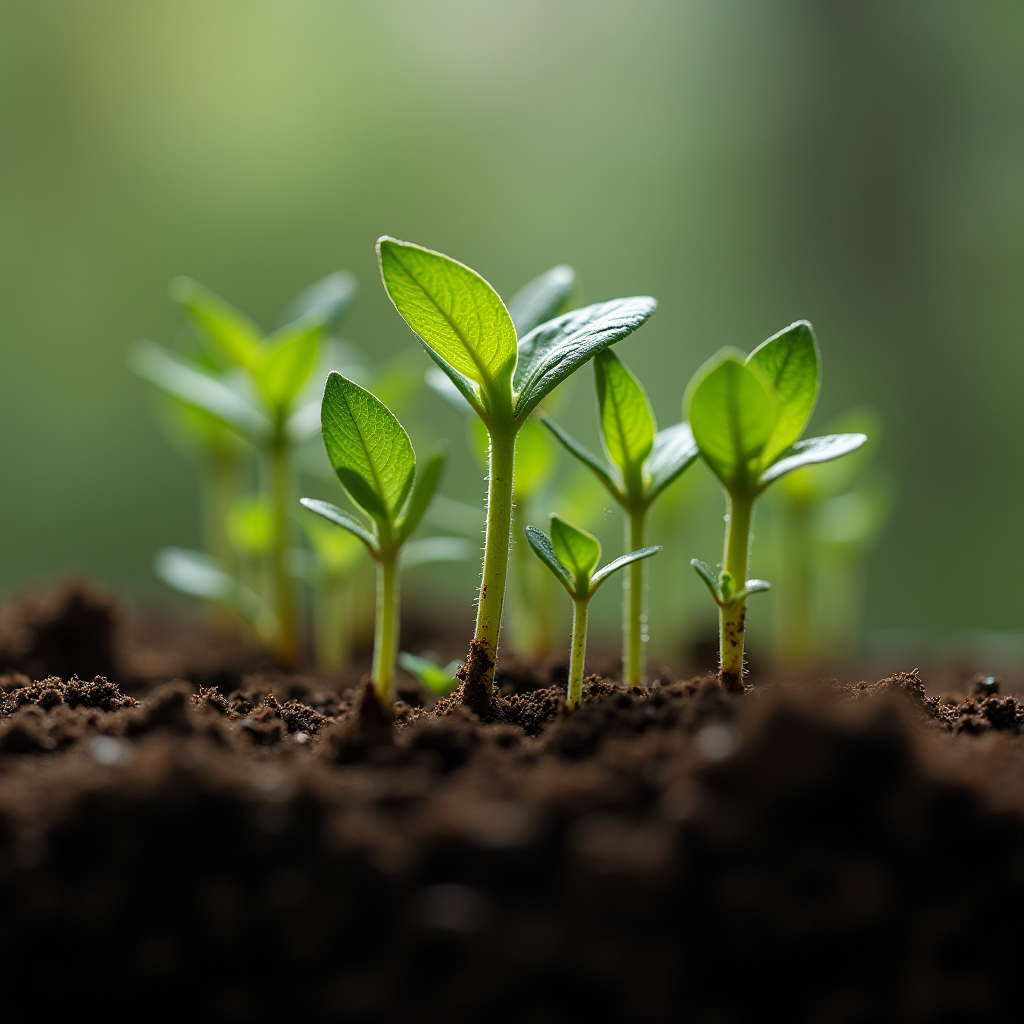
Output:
x=191 y=835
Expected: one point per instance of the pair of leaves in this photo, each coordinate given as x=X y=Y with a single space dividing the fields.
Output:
x=643 y=460
x=573 y=554
x=471 y=336
x=722 y=587
x=748 y=412
x=374 y=459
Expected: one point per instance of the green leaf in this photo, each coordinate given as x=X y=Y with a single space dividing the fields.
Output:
x=623 y=560
x=436 y=549
x=230 y=333
x=709 y=576
x=732 y=416
x=544 y=550
x=576 y=549
x=458 y=316
x=290 y=359
x=368 y=448
x=428 y=478
x=438 y=680
x=790 y=360
x=339 y=517
x=189 y=383
x=627 y=420
x=535 y=459
x=542 y=299
x=606 y=474
x=752 y=587
x=673 y=453
x=555 y=350
x=811 y=451
x=327 y=300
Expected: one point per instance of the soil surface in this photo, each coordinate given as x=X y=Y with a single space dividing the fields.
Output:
x=241 y=845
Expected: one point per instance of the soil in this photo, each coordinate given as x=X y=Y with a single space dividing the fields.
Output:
x=240 y=845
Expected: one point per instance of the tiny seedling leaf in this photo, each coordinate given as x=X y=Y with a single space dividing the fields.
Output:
x=752 y=587
x=673 y=452
x=428 y=478
x=709 y=576
x=341 y=518
x=542 y=299
x=457 y=315
x=327 y=300
x=436 y=549
x=606 y=474
x=230 y=333
x=556 y=349
x=631 y=556
x=545 y=551
x=576 y=549
x=291 y=358
x=791 y=362
x=436 y=679
x=368 y=448
x=811 y=451
x=627 y=420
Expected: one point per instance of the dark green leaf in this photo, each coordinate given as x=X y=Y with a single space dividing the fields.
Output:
x=553 y=351
x=632 y=556
x=576 y=549
x=327 y=300
x=606 y=474
x=542 y=299
x=544 y=550
x=674 y=451
x=811 y=451
x=339 y=517
x=428 y=478
x=231 y=333
x=627 y=420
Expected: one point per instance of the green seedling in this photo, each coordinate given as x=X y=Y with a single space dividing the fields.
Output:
x=747 y=414
x=374 y=459
x=440 y=681
x=466 y=329
x=572 y=556
x=642 y=462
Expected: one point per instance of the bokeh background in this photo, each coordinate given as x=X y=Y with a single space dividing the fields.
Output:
x=748 y=163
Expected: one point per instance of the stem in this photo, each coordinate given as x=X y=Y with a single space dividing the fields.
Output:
x=733 y=615
x=334 y=623
x=634 y=603
x=385 y=635
x=501 y=466
x=287 y=653
x=578 y=653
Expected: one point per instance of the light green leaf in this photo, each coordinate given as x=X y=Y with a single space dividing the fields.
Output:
x=623 y=560
x=535 y=459
x=437 y=680
x=458 y=316
x=752 y=587
x=542 y=299
x=576 y=549
x=428 y=478
x=606 y=474
x=190 y=384
x=732 y=416
x=544 y=550
x=368 y=448
x=673 y=453
x=229 y=332
x=811 y=451
x=791 y=362
x=290 y=359
x=627 y=420
x=709 y=576
x=436 y=549
x=555 y=350
x=327 y=300
x=339 y=517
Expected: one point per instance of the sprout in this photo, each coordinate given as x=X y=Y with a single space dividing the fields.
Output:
x=747 y=415
x=644 y=461
x=467 y=331
x=572 y=556
x=375 y=462
x=440 y=681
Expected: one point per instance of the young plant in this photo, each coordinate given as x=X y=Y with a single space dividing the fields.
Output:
x=439 y=680
x=642 y=462
x=468 y=332
x=375 y=462
x=747 y=414
x=572 y=556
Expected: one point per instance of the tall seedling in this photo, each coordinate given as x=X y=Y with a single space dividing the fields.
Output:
x=747 y=415
x=468 y=332
x=375 y=462
x=643 y=462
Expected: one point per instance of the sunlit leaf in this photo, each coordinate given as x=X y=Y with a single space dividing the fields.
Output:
x=810 y=451
x=545 y=297
x=576 y=549
x=228 y=331
x=627 y=420
x=291 y=357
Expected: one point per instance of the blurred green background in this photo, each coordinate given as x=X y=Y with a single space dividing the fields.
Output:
x=748 y=163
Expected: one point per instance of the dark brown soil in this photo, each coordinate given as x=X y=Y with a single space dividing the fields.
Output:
x=272 y=848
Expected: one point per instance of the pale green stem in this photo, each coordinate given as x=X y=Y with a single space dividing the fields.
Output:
x=578 y=653
x=385 y=636
x=287 y=653
x=334 y=622
x=634 y=603
x=733 y=614
x=501 y=465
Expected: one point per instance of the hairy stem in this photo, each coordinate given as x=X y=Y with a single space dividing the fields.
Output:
x=501 y=466
x=634 y=603
x=385 y=637
x=287 y=653
x=578 y=653
x=733 y=615
x=334 y=622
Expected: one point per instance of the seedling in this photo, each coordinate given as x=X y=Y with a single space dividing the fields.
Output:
x=439 y=680
x=747 y=415
x=572 y=556
x=375 y=462
x=642 y=462
x=466 y=329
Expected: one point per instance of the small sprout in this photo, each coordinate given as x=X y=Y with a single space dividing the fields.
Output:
x=374 y=459
x=466 y=329
x=439 y=681
x=572 y=556
x=747 y=415
x=642 y=462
